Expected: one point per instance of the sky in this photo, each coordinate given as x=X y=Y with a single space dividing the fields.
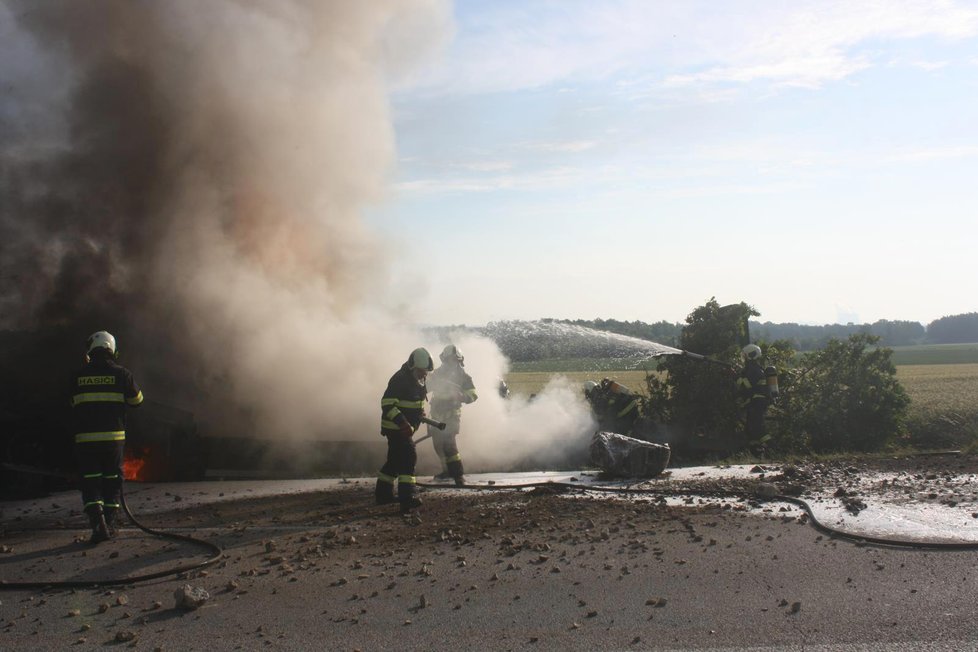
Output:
x=242 y=185
x=634 y=159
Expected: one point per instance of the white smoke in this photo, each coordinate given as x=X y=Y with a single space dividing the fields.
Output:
x=496 y=433
x=289 y=102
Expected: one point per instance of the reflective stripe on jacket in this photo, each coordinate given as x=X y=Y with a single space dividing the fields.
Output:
x=752 y=383
x=403 y=399
x=100 y=392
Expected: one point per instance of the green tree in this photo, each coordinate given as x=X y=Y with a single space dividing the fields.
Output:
x=808 y=338
x=697 y=398
x=954 y=329
x=845 y=397
x=898 y=333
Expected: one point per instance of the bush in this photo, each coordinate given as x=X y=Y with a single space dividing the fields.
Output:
x=845 y=397
x=930 y=429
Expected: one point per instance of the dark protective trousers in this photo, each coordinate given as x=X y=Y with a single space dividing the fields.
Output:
x=755 y=419
x=402 y=457
x=100 y=465
x=447 y=450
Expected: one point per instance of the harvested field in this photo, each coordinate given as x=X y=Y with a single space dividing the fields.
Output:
x=941 y=387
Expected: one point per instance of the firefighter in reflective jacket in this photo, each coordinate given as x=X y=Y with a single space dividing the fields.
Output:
x=615 y=407
x=451 y=387
x=100 y=393
x=754 y=396
x=402 y=407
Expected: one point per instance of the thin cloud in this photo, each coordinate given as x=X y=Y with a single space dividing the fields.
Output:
x=564 y=147
x=543 y=180
x=930 y=65
x=933 y=153
x=810 y=72
x=486 y=166
x=805 y=44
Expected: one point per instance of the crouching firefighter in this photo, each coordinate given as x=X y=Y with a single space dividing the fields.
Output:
x=615 y=407
x=755 y=396
x=402 y=407
x=100 y=393
x=451 y=387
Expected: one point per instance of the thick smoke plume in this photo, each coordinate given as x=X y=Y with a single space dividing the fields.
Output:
x=196 y=188
x=190 y=176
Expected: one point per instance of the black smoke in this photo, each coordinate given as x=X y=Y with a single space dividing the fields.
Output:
x=190 y=176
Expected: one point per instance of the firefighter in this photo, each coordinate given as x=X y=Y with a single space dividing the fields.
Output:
x=402 y=407
x=451 y=388
x=615 y=407
x=752 y=387
x=592 y=395
x=100 y=393
x=589 y=387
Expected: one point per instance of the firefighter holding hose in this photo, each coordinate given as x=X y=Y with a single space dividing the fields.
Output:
x=402 y=411
x=451 y=388
x=100 y=393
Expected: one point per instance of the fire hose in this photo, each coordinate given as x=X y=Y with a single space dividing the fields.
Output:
x=434 y=424
x=859 y=539
x=216 y=553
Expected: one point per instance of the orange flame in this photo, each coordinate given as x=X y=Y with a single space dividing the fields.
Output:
x=132 y=466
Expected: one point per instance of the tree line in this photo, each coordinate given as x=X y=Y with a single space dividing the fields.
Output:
x=953 y=329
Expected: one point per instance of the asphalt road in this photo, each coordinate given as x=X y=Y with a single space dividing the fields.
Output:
x=320 y=569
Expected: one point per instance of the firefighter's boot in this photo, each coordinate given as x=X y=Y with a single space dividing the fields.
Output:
x=96 y=519
x=384 y=493
x=406 y=496
x=111 y=513
x=456 y=472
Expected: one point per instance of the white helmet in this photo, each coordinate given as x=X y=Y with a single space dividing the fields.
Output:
x=101 y=340
x=451 y=352
x=421 y=359
x=589 y=386
x=751 y=351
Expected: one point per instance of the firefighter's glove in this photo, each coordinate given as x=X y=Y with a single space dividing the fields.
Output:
x=407 y=430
